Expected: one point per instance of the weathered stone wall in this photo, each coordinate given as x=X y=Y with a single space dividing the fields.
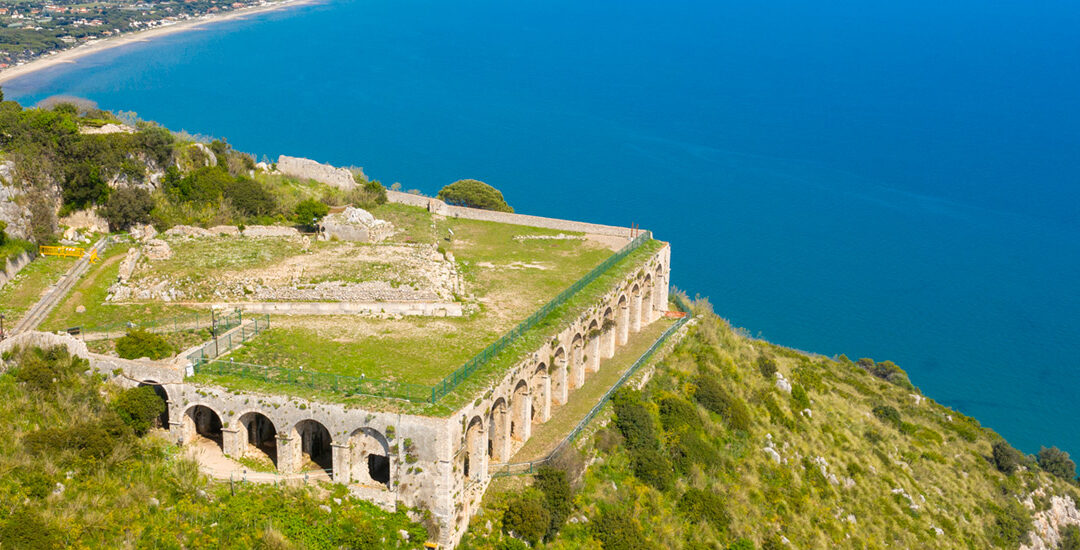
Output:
x=425 y=308
x=13 y=266
x=309 y=169
x=439 y=207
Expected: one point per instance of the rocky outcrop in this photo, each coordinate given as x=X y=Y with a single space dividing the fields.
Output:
x=1048 y=524
x=256 y=231
x=143 y=232
x=86 y=219
x=157 y=249
x=107 y=129
x=325 y=173
x=354 y=224
x=15 y=215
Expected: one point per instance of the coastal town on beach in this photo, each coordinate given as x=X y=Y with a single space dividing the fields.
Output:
x=36 y=35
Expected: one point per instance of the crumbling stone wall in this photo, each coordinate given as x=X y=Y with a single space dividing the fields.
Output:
x=310 y=169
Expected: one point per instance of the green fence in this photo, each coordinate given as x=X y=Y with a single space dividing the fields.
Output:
x=171 y=324
x=522 y=468
x=229 y=340
x=455 y=378
x=348 y=385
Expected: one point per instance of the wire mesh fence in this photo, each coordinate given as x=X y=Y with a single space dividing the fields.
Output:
x=236 y=332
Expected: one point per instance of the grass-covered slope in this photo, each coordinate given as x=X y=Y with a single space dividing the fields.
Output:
x=714 y=452
x=75 y=472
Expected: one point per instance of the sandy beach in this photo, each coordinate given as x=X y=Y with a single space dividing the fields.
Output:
x=70 y=56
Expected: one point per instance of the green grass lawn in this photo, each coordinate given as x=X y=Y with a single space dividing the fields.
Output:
x=563 y=419
x=91 y=291
x=27 y=287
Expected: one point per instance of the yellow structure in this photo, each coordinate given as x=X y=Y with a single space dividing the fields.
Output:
x=67 y=252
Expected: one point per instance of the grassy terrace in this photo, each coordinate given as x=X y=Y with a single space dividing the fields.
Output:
x=27 y=287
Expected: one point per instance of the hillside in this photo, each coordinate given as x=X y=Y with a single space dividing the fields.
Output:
x=738 y=443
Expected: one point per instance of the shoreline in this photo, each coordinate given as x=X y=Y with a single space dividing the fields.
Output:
x=83 y=50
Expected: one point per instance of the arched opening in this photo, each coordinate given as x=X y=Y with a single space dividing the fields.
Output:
x=660 y=290
x=201 y=421
x=370 y=457
x=541 y=394
x=577 y=361
x=559 y=389
x=592 y=348
x=316 y=451
x=162 y=421
x=258 y=437
x=475 y=465
x=647 y=306
x=635 y=308
x=520 y=412
x=498 y=433
x=622 y=322
x=607 y=328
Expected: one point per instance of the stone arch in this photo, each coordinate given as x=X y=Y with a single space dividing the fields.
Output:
x=635 y=308
x=257 y=435
x=622 y=321
x=592 y=347
x=660 y=289
x=540 y=410
x=475 y=455
x=520 y=412
x=607 y=328
x=559 y=387
x=577 y=361
x=369 y=453
x=162 y=421
x=201 y=420
x=499 y=432
x=316 y=443
x=647 y=305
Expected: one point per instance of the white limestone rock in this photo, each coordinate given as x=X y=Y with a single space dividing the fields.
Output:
x=310 y=169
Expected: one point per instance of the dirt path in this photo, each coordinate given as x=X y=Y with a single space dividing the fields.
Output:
x=213 y=462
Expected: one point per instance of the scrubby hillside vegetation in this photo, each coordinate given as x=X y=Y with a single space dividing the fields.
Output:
x=80 y=467
x=737 y=443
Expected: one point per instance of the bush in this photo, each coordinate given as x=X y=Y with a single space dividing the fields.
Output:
x=558 y=495
x=46 y=370
x=689 y=449
x=767 y=366
x=527 y=518
x=653 y=468
x=139 y=343
x=799 y=398
x=712 y=396
x=741 y=544
x=27 y=529
x=249 y=197
x=634 y=421
x=1057 y=462
x=887 y=414
x=3 y=235
x=474 y=194
x=696 y=504
x=1006 y=458
x=677 y=414
x=617 y=530
x=138 y=407
x=1011 y=525
x=127 y=206
x=1070 y=538
x=309 y=212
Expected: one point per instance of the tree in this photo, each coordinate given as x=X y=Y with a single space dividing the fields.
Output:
x=1057 y=462
x=309 y=212
x=127 y=206
x=556 y=489
x=138 y=407
x=474 y=194
x=526 y=517
x=1006 y=458
x=139 y=343
x=250 y=197
x=84 y=186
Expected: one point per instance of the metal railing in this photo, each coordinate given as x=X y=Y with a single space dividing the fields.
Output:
x=455 y=378
x=525 y=468
x=229 y=340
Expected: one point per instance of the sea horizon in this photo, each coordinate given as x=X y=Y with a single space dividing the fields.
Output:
x=905 y=190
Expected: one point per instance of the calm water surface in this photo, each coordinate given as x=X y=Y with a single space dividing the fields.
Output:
x=895 y=180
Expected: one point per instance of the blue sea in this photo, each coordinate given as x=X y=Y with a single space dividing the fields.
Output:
x=898 y=180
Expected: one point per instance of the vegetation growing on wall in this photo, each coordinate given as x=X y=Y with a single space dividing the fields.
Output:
x=75 y=473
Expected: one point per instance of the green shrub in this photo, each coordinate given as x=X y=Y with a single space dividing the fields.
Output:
x=799 y=398
x=887 y=414
x=712 y=396
x=1010 y=526
x=526 y=517
x=1070 y=538
x=652 y=468
x=677 y=414
x=309 y=212
x=46 y=370
x=617 y=530
x=138 y=407
x=766 y=366
x=696 y=504
x=742 y=544
x=127 y=206
x=1006 y=458
x=27 y=529
x=138 y=343
x=249 y=197
x=554 y=485
x=634 y=421
x=1057 y=462
x=474 y=194
x=688 y=448
x=3 y=235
